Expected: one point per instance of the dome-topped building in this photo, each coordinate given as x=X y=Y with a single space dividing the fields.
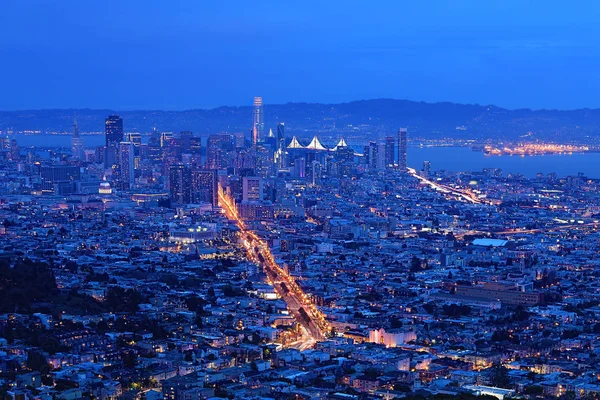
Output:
x=105 y=187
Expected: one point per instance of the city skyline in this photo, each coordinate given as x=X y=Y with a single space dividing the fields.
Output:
x=259 y=256
x=322 y=250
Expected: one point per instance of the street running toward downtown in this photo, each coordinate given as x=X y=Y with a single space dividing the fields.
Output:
x=312 y=321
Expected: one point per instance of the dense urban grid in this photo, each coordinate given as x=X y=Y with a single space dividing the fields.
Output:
x=258 y=265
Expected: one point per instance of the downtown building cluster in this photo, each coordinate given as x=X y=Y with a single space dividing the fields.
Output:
x=122 y=277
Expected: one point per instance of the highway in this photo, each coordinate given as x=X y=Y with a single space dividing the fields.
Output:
x=463 y=194
x=547 y=229
x=524 y=231
x=299 y=304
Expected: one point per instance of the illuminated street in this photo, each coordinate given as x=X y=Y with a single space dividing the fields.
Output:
x=299 y=306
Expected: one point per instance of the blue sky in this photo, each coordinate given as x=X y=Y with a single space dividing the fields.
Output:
x=146 y=54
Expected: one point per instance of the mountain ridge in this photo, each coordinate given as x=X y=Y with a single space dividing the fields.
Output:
x=374 y=116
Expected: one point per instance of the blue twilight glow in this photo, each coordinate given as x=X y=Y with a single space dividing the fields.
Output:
x=195 y=54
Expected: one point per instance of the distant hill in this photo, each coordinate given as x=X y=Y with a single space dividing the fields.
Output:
x=364 y=117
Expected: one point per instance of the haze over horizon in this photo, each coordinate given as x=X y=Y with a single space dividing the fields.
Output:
x=186 y=55
x=266 y=103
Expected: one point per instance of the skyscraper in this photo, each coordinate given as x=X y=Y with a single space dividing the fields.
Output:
x=77 y=146
x=390 y=149
x=165 y=139
x=343 y=153
x=280 y=154
x=154 y=149
x=205 y=186
x=217 y=150
x=371 y=153
x=136 y=139
x=426 y=172
x=299 y=168
x=281 y=134
x=264 y=164
x=258 y=122
x=110 y=156
x=196 y=151
x=186 y=140
x=317 y=171
x=126 y=165
x=180 y=184
x=402 y=149
x=113 y=128
x=239 y=139
x=380 y=162
x=271 y=140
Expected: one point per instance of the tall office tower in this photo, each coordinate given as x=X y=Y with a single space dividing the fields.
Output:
x=264 y=164
x=245 y=159
x=100 y=152
x=186 y=140
x=154 y=149
x=299 y=168
x=173 y=148
x=113 y=128
x=196 y=151
x=381 y=156
x=240 y=140
x=390 y=149
x=15 y=150
x=371 y=155
x=205 y=186
x=180 y=184
x=280 y=154
x=213 y=152
x=126 y=165
x=258 y=121
x=344 y=154
x=217 y=151
x=402 y=149
x=136 y=139
x=77 y=146
x=254 y=136
x=280 y=158
x=271 y=140
x=110 y=156
x=195 y=145
x=165 y=138
x=252 y=188
x=317 y=172
x=5 y=143
x=426 y=172
x=281 y=134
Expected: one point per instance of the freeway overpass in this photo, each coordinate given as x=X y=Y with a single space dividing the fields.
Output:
x=466 y=195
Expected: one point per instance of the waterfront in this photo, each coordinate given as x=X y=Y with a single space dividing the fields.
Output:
x=458 y=159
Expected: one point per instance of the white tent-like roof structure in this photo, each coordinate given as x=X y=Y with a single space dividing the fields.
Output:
x=341 y=143
x=295 y=144
x=315 y=144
